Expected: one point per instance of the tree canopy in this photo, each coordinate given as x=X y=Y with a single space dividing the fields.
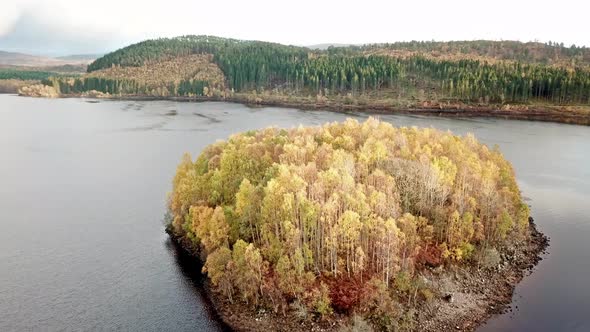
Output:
x=293 y=215
x=25 y=75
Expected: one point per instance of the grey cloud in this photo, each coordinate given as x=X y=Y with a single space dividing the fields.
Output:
x=31 y=35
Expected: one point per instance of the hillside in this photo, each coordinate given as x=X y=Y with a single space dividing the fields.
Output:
x=526 y=53
x=518 y=73
x=20 y=59
x=529 y=79
x=491 y=51
x=86 y=58
x=194 y=67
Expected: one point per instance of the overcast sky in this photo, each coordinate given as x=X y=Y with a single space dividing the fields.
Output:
x=58 y=27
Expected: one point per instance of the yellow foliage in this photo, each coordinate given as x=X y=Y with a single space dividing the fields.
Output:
x=341 y=199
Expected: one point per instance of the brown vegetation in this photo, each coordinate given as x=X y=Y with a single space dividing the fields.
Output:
x=12 y=86
x=488 y=51
x=160 y=74
x=38 y=90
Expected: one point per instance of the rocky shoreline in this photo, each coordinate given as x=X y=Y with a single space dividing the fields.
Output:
x=480 y=294
x=470 y=296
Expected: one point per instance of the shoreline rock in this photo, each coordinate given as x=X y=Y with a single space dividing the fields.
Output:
x=487 y=293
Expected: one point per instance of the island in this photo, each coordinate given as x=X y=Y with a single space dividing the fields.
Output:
x=354 y=226
x=508 y=79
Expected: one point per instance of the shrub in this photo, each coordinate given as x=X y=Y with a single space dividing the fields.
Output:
x=320 y=300
x=358 y=325
x=429 y=256
x=490 y=258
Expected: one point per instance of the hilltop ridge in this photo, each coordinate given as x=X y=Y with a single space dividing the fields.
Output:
x=28 y=60
x=529 y=52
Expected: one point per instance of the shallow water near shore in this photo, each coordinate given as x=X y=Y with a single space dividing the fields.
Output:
x=83 y=190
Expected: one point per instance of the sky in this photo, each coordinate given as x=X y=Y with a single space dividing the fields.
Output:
x=61 y=27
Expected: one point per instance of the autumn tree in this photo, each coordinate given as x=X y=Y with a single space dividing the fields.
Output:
x=283 y=215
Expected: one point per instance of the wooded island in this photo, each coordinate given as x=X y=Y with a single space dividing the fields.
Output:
x=361 y=220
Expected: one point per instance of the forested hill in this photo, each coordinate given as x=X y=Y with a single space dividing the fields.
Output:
x=532 y=52
x=166 y=48
x=399 y=75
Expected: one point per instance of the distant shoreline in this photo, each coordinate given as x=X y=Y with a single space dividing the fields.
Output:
x=452 y=110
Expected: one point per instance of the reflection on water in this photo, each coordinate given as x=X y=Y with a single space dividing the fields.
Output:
x=152 y=126
x=211 y=119
x=83 y=186
x=191 y=270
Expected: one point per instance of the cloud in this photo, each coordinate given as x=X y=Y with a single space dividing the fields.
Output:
x=9 y=14
x=57 y=28
x=30 y=34
x=79 y=26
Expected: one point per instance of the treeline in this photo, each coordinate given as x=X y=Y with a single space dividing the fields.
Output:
x=318 y=75
x=341 y=217
x=25 y=75
x=251 y=65
x=258 y=65
x=126 y=87
x=474 y=80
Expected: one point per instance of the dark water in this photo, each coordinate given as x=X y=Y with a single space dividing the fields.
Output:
x=82 y=197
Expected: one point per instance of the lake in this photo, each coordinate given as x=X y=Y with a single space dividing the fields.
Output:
x=83 y=187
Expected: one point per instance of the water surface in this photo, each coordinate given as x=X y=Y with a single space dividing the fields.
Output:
x=82 y=197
